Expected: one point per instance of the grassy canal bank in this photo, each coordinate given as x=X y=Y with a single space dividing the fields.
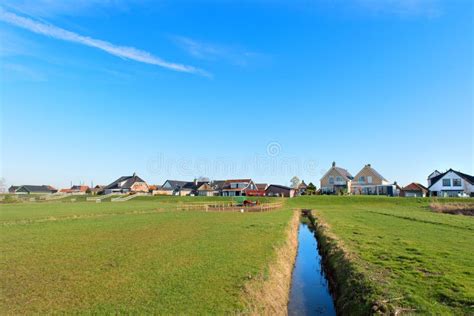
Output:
x=394 y=255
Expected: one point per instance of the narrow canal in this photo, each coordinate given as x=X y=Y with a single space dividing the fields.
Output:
x=309 y=294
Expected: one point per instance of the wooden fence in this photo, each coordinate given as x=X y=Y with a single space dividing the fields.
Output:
x=228 y=207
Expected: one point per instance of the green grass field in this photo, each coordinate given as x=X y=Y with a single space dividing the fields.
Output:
x=140 y=256
x=420 y=260
x=144 y=256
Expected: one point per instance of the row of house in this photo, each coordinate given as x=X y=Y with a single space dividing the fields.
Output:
x=336 y=180
x=368 y=181
x=233 y=187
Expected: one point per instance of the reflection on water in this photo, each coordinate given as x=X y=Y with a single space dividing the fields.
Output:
x=309 y=294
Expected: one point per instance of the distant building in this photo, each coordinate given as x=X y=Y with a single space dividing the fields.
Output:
x=127 y=184
x=12 y=189
x=171 y=187
x=301 y=189
x=238 y=187
x=335 y=180
x=451 y=184
x=98 y=189
x=76 y=189
x=369 y=181
x=275 y=190
x=414 y=190
x=206 y=189
x=35 y=189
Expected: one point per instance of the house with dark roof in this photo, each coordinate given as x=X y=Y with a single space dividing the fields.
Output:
x=127 y=184
x=35 y=189
x=206 y=189
x=336 y=180
x=432 y=175
x=276 y=190
x=238 y=187
x=12 y=189
x=414 y=189
x=301 y=189
x=175 y=187
x=451 y=183
x=369 y=181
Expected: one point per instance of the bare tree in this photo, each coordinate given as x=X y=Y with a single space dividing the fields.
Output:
x=295 y=182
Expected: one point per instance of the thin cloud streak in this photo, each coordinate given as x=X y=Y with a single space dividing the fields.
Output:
x=209 y=51
x=120 y=51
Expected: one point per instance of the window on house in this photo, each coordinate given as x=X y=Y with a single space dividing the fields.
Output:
x=446 y=182
x=339 y=179
x=369 y=179
x=456 y=182
x=331 y=180
x=361 y=179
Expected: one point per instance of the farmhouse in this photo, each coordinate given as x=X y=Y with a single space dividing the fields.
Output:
x=238 y=187
x=127 y=184
x=280 y=190
x=451 y=184
x=35 y=189
x=414 y=190
x=335 y=180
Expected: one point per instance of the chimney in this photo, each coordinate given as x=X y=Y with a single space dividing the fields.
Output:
x=333 y=164
x=368 y=165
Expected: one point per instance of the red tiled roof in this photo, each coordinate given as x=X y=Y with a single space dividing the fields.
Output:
x=415 y=187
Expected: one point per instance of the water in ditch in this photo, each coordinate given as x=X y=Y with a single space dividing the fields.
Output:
x=309 y=294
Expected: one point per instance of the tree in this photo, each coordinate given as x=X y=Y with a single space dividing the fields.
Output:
x=295 y=182
x=311 y=189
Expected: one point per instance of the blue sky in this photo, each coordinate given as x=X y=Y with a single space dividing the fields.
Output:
x=92 y=90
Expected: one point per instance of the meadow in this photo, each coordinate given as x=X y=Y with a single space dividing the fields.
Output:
x=139 y=256
x=146 y=256
x=414 y=259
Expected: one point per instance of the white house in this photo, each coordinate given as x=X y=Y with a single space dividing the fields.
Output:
x=451 y=183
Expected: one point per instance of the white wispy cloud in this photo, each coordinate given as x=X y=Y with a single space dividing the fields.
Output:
x=119 y=51
x=211 y=51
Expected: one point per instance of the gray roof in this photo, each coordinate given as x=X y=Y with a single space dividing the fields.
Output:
x=176 y=184
x=36 y=188
x=218 y=184
x=129 y=181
